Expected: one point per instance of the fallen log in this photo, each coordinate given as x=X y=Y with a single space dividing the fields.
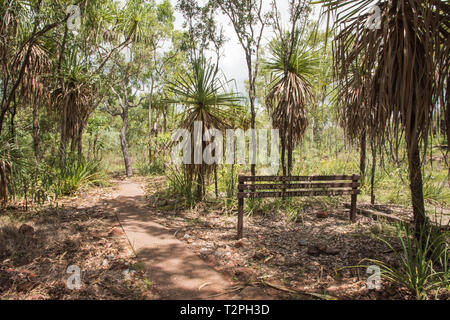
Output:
x=376 y=215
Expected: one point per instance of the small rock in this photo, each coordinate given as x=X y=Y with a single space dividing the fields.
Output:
x=322 y=215
x=110 y=256
x=186 y=236
x=205 y=251
x=241 y=243
x=303 y=242
x=116 y=232
x=128 y=273
x=26 y=229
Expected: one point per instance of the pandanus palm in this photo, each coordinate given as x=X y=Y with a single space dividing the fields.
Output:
x=205 y=97
x=405 y=59
x=292 y=66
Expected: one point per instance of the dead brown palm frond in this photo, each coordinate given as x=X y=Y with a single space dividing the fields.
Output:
x=36 y=73
x=72 y=104
x=405 y=65
x=293 y=67
x=73 y=101
x=290 y=95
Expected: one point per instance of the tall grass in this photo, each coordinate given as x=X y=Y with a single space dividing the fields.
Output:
x=156 y=167
x=180 y=185
x=423 y=262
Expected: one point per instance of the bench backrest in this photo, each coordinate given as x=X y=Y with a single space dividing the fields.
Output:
x=297 y=186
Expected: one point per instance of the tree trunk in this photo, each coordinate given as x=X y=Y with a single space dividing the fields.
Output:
x=362 y=158
x=165 y=120
x=416 y=185
x=253 y=124
x=415 y=179
x=215 y=182
x=200 y=185
x=372 y=175
x=13 y=115
x=36 y=129
x=150 y=102
x=447 y=124
x=283 y=152
x=3 y=184
x=289 y=160
x=123 y=142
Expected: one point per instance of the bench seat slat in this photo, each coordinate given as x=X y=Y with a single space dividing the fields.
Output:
x=305 y=185
x=295 y=193
x=297 y=178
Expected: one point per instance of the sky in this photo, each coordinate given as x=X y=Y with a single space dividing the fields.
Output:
x=233 y=62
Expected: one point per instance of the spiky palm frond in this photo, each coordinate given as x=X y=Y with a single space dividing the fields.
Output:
x=291 y=90
x=205 y=97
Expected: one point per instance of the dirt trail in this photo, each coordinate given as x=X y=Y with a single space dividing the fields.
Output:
x=175 y=271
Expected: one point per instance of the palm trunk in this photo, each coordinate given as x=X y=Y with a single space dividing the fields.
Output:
x=416 y=185
x=415 y=179
x=372 y=175
x=283 y=152
x=289 y=162
x=123 y=143
x=3 y=184
x=36 y=129
x=215 y=182
x=362 y=158
x=200 y=185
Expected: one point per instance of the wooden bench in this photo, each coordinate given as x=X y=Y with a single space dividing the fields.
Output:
x=295 y=186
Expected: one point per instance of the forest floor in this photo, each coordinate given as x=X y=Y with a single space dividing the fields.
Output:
x=312 y=258
x=38 y=245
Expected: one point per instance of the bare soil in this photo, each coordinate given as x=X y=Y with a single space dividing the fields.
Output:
x=37 y=247
x=315 y=257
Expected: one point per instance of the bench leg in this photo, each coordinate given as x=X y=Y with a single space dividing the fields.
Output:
x=240 y=224
x=353 y=208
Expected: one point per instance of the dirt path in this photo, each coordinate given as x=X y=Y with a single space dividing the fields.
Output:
x=175 y=271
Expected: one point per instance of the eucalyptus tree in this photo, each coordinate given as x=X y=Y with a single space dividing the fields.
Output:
x=158 y=62
x=249 y=21
x=405 y=60
x=130 y=68
x=204 y=94
x=204 y=33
